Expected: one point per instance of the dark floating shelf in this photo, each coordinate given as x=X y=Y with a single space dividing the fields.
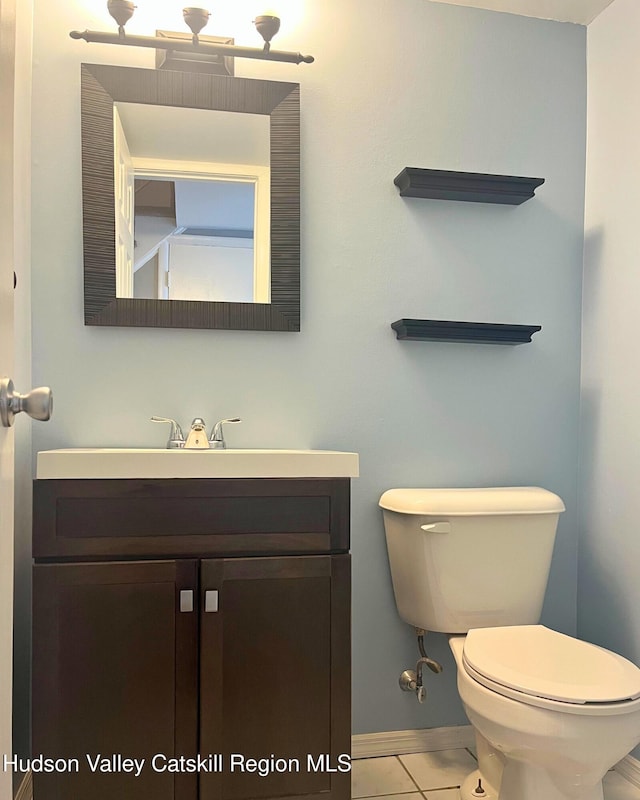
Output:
x=473 y=187
x=435 y=330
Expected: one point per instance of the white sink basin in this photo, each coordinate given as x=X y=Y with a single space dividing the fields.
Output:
x=142 y=463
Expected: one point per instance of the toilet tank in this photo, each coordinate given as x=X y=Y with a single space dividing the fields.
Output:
x=470 y=558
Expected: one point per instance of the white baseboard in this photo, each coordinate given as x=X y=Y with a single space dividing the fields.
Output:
x=25 y=790
x=629 y=768
x=395 y=743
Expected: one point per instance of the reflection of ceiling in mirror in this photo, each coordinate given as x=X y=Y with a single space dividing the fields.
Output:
x=203 y=204
x=215 y=204
x=193 y=134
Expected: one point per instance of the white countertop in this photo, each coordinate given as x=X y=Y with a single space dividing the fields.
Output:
x=161 y=463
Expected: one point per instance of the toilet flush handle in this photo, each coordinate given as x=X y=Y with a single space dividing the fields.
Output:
x=437 y=527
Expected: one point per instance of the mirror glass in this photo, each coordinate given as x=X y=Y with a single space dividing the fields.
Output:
x=191 y=200
x=192 y=212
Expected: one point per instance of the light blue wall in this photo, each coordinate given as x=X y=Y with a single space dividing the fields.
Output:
x=609 y=556
x=394 y=85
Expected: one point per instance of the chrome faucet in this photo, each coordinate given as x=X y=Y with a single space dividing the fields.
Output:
x=197 y=438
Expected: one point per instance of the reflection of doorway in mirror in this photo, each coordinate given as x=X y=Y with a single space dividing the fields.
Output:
x=201 y=232
x=198 y=173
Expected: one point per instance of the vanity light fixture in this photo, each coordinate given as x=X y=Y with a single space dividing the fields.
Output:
x=204 y=53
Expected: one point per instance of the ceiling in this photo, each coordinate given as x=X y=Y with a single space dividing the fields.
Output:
x=580 y=11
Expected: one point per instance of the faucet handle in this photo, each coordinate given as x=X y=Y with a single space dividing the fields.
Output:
x=216 y=440
x=176 y=437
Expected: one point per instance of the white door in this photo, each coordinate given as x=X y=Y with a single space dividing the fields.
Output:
x=7 y=65
x=124 y=199
x=15 y=106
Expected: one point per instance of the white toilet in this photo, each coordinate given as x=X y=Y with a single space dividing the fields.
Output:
x=551 y=714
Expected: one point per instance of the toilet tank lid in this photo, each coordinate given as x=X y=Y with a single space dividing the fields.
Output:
x=472 y=502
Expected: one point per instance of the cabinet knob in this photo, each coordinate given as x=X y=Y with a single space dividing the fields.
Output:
x=211 y=601
x=186 y=601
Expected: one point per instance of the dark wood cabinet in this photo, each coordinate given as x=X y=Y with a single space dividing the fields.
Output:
x=242 y=660
x=115 y=671
x=275 y=667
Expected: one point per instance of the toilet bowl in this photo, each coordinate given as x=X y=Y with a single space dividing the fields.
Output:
x=551 y=713
x=530 y=742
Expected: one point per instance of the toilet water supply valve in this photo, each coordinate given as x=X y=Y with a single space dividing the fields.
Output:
x=411 y=680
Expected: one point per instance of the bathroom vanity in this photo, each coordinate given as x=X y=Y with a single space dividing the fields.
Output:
x=179 y=616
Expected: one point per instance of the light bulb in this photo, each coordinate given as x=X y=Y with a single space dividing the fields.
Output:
x=152 y=15
x=267 y=26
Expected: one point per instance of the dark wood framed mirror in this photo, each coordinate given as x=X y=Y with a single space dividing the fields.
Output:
x=104 y=90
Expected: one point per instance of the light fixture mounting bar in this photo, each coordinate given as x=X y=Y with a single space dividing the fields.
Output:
x=160 y=43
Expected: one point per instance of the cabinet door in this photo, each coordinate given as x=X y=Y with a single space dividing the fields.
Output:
x=275 y=677
x=114 y=674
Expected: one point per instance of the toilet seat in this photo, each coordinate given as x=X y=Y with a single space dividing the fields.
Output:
x=538 y=666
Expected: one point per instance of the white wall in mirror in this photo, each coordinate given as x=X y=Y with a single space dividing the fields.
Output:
x=204 y=270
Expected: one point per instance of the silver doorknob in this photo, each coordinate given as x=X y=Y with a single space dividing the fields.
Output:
x=38 y=403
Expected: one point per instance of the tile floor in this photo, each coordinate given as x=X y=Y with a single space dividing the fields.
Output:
x=437 y=776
